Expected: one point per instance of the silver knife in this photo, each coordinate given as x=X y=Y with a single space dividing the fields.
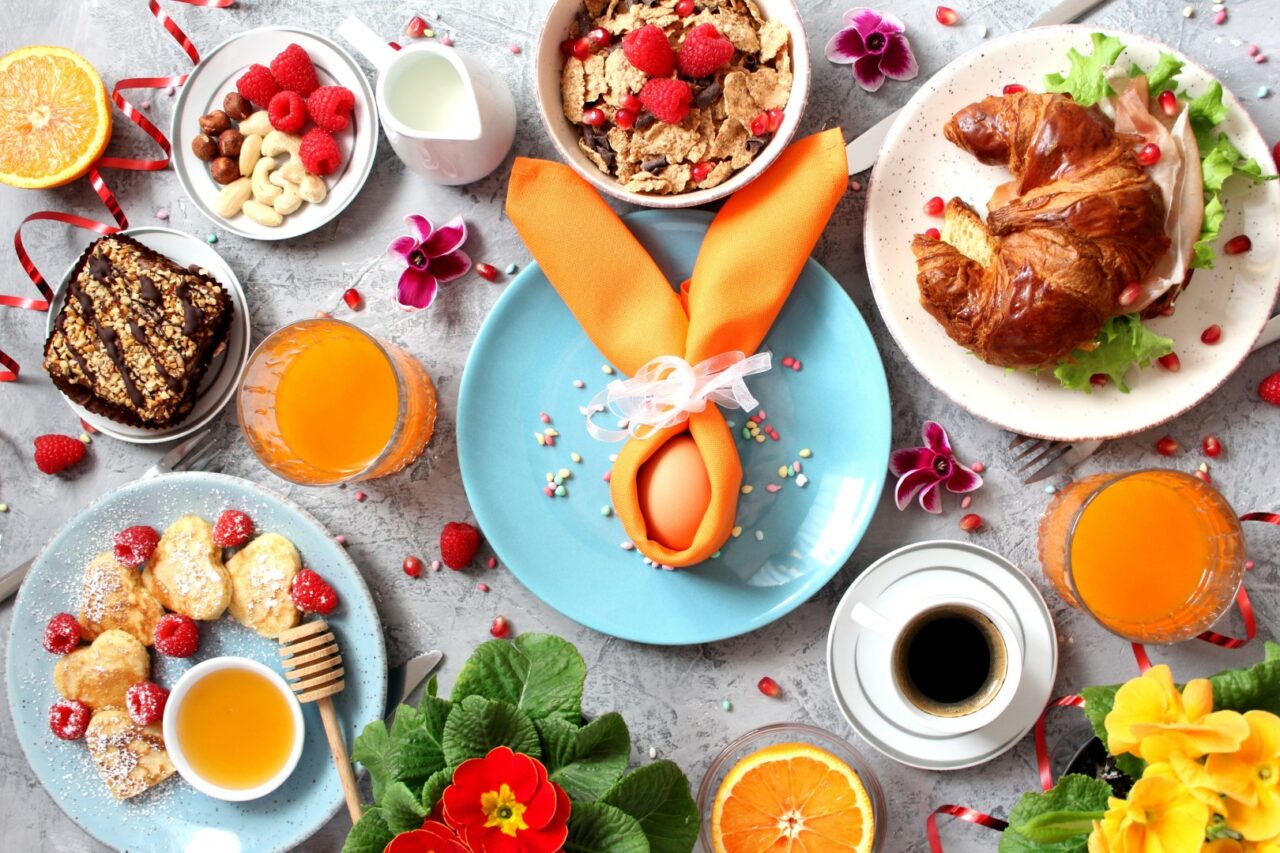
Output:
x=862 y=152
x=402 y=680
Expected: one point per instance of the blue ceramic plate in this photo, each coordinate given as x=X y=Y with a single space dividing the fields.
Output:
x=525 y=360
x=173 y=816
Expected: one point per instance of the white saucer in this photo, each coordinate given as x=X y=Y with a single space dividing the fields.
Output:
x=223 y=374
x=858 y=661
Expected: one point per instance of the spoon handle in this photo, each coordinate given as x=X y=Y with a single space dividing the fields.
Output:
x=333 y=731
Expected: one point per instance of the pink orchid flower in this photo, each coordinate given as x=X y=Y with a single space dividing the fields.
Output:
x=924 y=469
x=432 y=256
x=875 y=44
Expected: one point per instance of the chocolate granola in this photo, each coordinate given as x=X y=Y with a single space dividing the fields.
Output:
x=136 y=333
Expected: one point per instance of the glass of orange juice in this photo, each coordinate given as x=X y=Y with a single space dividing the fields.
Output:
x=1156 y=556
x=323 y=402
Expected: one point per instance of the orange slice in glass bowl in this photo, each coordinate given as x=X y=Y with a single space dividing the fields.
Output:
x=55 y=118
x=792 y=798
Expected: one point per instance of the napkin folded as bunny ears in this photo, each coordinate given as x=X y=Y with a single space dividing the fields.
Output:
x=750 y=259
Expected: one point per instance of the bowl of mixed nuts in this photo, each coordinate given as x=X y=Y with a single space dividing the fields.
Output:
x=672 y=103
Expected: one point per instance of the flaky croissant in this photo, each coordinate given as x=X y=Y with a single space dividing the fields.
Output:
x=1080 y=221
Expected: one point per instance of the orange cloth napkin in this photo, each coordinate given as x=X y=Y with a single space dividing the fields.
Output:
x=746 y=267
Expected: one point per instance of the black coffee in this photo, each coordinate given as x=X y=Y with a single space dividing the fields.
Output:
x=948 y=659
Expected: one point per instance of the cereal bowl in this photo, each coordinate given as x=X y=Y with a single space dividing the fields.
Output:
x=566 y=134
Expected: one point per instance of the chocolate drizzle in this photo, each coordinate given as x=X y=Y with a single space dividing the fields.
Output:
x=147 y=290
x=191 y=313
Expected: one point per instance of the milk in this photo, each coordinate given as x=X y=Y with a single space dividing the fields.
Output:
x=425 y=93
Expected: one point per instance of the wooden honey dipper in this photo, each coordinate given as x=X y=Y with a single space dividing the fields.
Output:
x=313 y=664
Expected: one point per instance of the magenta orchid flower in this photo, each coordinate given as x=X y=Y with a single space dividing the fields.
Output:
x=432 y=256
x=875 y=44
x=924 y=469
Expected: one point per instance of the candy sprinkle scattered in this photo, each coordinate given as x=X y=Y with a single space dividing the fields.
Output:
x=805 y=453
x=773 y=487
x=544 y=417
x=561 y=492
x=726 y=705
x=340 y=539
x=966 y=501
x=84 y=437
x=1220 y=17
x=736 y=532
x=162 y=214
x=211 y=239
x=747 y=488
x=483 y=587
x=606 y=510
x=436 y=565
x=1050 y=489
x=514 y=48
x=360 y=496
x=578 y=383
x=4 y=507
x=576 y=457
x=759 y=535
x=1263 y=92
x=978 y=467
x=170 y=91
x=802 y=480
x=512 y=269
x=982 y=31
x=1248 y=565
x=1188 y=11
x=492 y=562
x=446 y=41
x=628 y=546
x=606 y=370
x=856 y=186
x=653 y=753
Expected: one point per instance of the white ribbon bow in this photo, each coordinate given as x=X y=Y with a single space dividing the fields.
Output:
x=667 y=389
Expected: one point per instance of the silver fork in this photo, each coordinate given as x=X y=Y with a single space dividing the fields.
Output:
x=195 y=454
x=1042 y=458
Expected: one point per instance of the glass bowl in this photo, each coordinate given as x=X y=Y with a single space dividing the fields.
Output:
x=777 y=733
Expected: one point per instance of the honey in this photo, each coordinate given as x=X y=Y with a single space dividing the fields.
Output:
x=236 y=729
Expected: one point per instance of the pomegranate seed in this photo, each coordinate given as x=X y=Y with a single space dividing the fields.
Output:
x=631 y=102
x=971 y=522
x=1167 y=311
x=625 y=119
x=1170 y=362
x=1014 y=88
x=1098 y=380
x=1211 y=335
x=600 y=37
x=760 y=125
x=769 y=687
x=1149 y=154
x=1169 y=103
x=946 y=16
x=581 y=49
x=594 y=117
x=933 y=234
x=416 y=27
x=1275 y=155
x=775 y=119
x=1211 y=446
x=1130 y=294
x=566 y=46
x=486 y=271
x=412 y=566
x=934 y=206
x=1238 y=245
x=351 y=296
x=700 y=171
x=500 y=627
x=1167 y=446
x=684 y=8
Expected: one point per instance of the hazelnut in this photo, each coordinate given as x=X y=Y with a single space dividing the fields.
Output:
x=229 y=142
x=237 y=106
x=204 y=148
x=224 y=170
x=215 y=122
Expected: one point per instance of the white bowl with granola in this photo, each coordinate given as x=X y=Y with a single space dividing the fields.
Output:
x=672 y=103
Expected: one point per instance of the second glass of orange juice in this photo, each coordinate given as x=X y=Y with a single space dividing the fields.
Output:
x=323 y=402
x=1156 y=556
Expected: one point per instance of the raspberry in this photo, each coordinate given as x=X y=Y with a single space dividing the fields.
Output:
x=145 y=701
x=330 y=107
x=258 y=85
x=320 y=152
x=1269 y=389
x=294 y=72
x=287 y=112
x=135 y=545
x=704 y=51
x=62 y=634
x=648 y=50
x=56 y=452
x=667 y=99
x=68 y=719
x=312 y=593
x=177 y=636
x=458 y=544
x=232 y=529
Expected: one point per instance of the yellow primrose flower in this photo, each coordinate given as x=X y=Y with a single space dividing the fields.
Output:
x=1249 y=779
x=1152 y=720
x=1230 y=845
x=1160 y=816
x=1193 y=775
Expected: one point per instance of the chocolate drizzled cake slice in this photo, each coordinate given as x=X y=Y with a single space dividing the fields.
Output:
x=136 y=333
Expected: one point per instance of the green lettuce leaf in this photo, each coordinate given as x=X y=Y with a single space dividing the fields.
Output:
x=657 y=796
x=477 y=725
x=1057 y=821
x=540 y=674
x=1123 y=342
x=1206 y=112
x=1161 y=78
x=1214 y=213
x=585 y=760
x=1085 y=82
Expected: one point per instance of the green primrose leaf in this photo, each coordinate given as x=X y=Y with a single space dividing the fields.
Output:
x=477 y=725
x=1057 y=821
x=1085 y=81
x=374 y=749
x=400 y=808
x=433 y=788
x=657 y=795
x=601 y=828
x=1122 y=342
x=540 y=674
x=370 y=834
x=586 y=760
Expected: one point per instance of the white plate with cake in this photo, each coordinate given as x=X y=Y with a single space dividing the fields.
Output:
x=1024 y=312
x=143 y=347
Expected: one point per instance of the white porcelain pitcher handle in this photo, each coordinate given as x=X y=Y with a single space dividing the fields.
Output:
x=367 y=42
x=873 y=622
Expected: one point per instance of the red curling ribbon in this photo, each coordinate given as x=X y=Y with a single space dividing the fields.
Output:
x=960 y=813
x=1140 y=654
x=1042 y=746
x=11 y=368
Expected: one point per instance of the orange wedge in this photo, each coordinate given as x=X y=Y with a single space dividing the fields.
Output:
x=55 y=118
x=792 y=798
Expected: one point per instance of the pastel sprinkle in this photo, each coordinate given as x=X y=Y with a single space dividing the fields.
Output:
x=856 y=186
x=84 y=436
x=727 y=705
x=608 y=476
x=978 y=467
x=1263 y=92
x=653 y=753
x=966 y=501
x=628 y=546
x=360 y=496
x=787 y=361
x=483 y=587
x=323 y=315
x=544 y=417
x=806 y=453
x=747 y=489
x=802 y=480
x=540 y=438
x=211 y=239
x=1254 y=50
x=576 y=457
x=782 y=471
x=162 y=214
x=982 y=31
x=759 y=438
x=1260 y=58
x=797 y=366
x=436 y=565
x=170 y=91
x=1188 y=11
x=759 y=535
x=613 y=457
x=514 y=48
x=493 y=562
x=795 y=466
x=716 y=555
x=1248 y=565
x=736 y=532
x=1050 y=489
x=623 y=423
x=512 y=269
x=1220 y=17
x=565 y=473
x=549 y=491
x=4 y=507
x=340 y=539
x=578 y=383
x=773 y=487
x=606 y=511
x=606 y=370
x=561 y=491
x=446 y=41
x=551 y=432
x=146 y=105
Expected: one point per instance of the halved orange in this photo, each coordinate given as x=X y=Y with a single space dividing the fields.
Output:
x=55 y=118
x=792 y=798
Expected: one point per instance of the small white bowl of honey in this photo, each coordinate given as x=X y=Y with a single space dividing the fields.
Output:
x=233 y=728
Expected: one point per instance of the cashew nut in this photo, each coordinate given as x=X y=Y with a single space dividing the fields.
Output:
x=259 y=123
x=232 y=198
x=276 y=143
x=262 y=214
x=289 y=199
x=312 y=188
x=264 y=191
x=250 y=153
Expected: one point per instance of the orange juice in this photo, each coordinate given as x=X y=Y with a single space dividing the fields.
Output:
x=323 y=402
x=1155 y=556
x=236 y=729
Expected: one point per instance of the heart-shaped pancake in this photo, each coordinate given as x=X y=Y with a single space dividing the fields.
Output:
x=100 y=674
x=112 y=596
x=261 y=576
x=186 y=573
x=130 y=757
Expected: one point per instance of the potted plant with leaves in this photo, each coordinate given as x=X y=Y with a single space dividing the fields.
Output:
x=1190 y=768
x=508 y=763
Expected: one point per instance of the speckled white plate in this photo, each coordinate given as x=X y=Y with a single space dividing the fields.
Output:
x=216 y=76
x=220 y=380
x=918 y=163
